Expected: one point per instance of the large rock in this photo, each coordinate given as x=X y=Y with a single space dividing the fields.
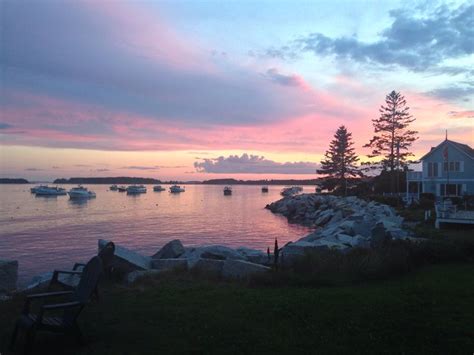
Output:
x=253 y=255
x=39 y=282
x=8 y=275
x=70 y=280
x=208 y=267
x=324 y=218
x=173 y=249
x=362 y=228
x=397 y=233
x=136 y=275
x=345 y=238
x=127 y=260
x=336 y=218
x=238 y=269
x=217 y=252
x=348 y=227
x=169 y=264
x=300 y=248
x=379 y=236
x=359 y=241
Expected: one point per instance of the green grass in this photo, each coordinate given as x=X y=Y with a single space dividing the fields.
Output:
x=430 y=311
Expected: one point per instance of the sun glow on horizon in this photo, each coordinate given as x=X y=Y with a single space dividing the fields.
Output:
x=220 y=83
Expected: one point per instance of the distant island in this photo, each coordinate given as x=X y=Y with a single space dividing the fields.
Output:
x=261 y=182
x=107 y=180
x=13 y=181
x=138 y=180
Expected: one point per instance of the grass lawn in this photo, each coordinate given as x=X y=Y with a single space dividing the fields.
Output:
x=430 y=311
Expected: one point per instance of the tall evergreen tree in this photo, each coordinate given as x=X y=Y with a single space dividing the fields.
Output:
x=392 y=138
x=339 y=165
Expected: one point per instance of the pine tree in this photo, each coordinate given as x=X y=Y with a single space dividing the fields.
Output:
x=339 y=164
x=392 y=138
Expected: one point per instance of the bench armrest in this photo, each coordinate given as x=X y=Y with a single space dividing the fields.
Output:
x=41 y=296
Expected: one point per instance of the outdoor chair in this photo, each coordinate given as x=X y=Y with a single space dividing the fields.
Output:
x=106 y=254
x=69 y=310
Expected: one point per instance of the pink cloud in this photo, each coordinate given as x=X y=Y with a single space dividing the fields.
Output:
x=49 y=121
x=461 y=114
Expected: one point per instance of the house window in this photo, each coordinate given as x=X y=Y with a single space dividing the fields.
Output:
x=432 y=169
x=451 y=189
x=454 y=166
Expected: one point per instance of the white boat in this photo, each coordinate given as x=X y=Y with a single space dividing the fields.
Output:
x=80 y=192
x=122 y=189
x=290 y=191
x=50 y=191
x=34 y=189
x=158 y=188
x=227 y=191
x=176 y=189
x=136 y=189
x=264 y=189
x=113 y=188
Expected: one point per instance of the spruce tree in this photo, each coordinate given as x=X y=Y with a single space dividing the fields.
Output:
x=392 y=138
x=339 y=165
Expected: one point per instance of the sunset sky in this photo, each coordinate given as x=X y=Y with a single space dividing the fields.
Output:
x=196 y=90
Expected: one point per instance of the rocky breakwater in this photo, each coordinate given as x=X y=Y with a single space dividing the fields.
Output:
x=215 y=261
x=341 y=223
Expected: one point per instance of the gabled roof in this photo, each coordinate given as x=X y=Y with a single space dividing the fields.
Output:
x=463 y=148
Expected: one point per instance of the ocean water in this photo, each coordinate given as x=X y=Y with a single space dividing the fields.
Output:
x=44 y=233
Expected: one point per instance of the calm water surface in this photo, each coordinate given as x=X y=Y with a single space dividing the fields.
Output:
x=44 y=233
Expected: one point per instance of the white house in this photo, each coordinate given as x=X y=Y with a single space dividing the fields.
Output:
x=447 y=170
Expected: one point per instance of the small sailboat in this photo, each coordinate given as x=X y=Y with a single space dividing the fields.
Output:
x=81 y=192
x=113 y=188
x=158 y=188
x=227 y=191
x=36 y=188
x=176 y=189
x=264 y=189
x=136 y=189
x=50 y=191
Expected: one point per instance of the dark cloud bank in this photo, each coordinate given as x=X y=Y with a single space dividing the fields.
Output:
x=253 y=164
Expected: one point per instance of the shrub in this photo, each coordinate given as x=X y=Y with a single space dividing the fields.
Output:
x=393 y=201
x=427 y=196
x=425 y=203
x=331 y=267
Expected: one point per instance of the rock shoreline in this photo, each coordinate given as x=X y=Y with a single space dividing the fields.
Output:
x=341 y=223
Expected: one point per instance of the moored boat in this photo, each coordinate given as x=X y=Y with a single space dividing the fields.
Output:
x=50 y=191
x=176 y=189
x=158 y=188
x=34 y=189
x=81 y=192
x=264 y=189
x=136 y=189
x=122 y=189
x=227 y=191
x=113 y=188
